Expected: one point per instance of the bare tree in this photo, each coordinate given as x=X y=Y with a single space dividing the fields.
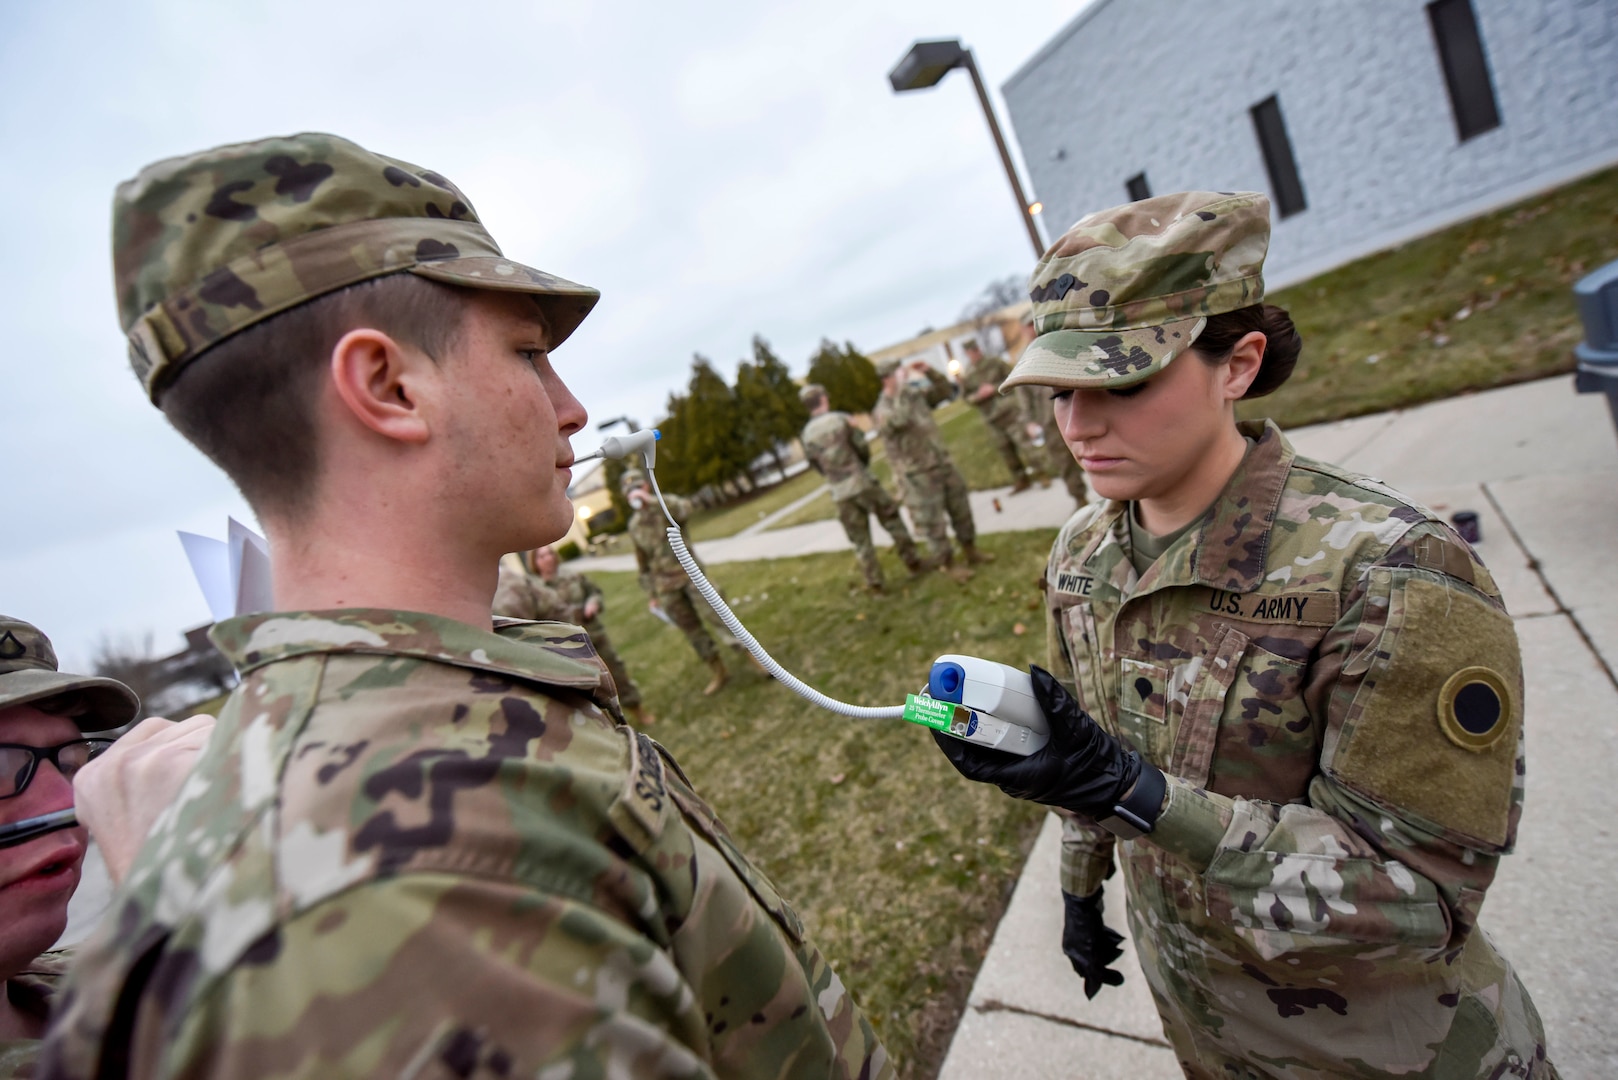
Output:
x=131 y=662
x=1002 y=292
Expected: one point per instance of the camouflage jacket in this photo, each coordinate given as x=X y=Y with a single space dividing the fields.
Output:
x=837 y=450
x=414 y=848
x=31 y=992
x=909 y=434
x=524 y=594
x=660 y=571
x=1002 y=410
x=1309 y=894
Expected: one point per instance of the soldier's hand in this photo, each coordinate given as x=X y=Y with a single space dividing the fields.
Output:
x=1082 y=768
x=1089 y=943
x=120 y=794
x=592 y=608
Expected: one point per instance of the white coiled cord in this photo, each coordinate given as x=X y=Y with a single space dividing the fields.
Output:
x=688 y=563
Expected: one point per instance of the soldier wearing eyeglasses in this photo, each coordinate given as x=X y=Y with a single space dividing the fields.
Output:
x=46 y=716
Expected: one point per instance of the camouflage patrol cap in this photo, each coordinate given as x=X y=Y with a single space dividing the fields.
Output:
x=1126 y=290
x=207 y=245
x=886 y=366
x=632 y=479
x=28 y=676
x=811 y=393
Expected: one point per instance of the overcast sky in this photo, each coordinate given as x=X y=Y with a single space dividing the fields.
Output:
x=717 y=170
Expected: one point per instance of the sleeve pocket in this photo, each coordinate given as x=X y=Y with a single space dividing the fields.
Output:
x=1288 y=901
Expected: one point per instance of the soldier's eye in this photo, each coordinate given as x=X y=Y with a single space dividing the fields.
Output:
x=1128 y=391
x=1061 y=395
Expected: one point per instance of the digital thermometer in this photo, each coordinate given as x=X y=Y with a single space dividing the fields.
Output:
x=981 y=702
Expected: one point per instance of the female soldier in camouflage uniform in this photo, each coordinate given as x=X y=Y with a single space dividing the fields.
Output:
x=1307 y=693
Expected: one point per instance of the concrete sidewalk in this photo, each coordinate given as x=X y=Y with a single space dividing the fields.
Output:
x=1540 y=466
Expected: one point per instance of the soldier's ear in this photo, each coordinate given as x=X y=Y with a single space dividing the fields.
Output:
x=1242 y=366
x=381 y=385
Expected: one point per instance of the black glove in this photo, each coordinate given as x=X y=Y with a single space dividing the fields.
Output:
x=1082 y=768
x=1089 y=943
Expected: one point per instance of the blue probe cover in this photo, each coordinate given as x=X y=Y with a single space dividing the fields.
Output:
x=947 y=681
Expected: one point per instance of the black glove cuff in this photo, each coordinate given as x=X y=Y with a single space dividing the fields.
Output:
x=1137 y=814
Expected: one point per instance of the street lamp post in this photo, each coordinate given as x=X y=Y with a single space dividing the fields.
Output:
x=929 y=61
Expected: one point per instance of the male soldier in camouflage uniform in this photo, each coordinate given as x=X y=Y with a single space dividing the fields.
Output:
x=928 y=481
x=837 y=450
x=1307 y=744
x=44 y=717
x=1037 y=403
x=414 y=846
x=664 y=579
x=1005 y=416
x=533 y=587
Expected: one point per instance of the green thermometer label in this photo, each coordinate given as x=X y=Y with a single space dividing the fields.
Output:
x=929 y=711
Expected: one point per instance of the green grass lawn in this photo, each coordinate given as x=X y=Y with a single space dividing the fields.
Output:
x=900 y=868
x=1485 y=303
x=732 y=518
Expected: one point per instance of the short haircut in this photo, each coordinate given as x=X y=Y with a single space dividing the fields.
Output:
x=249 y=402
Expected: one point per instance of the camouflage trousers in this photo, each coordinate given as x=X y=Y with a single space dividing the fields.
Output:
x=628 y=693
x=855 y=514
x=1011 y=442
x=937 y=501
x=684 y=607
x=1064 y=464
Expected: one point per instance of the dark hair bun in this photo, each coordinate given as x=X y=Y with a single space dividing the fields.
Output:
x=1281 y=349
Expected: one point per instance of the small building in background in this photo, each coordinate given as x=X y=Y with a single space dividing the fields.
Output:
x=1368 y=124
x=997 y=333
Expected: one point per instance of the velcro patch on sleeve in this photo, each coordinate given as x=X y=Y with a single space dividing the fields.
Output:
x=642 y=807
x=1308 y=608
x=1433 y=730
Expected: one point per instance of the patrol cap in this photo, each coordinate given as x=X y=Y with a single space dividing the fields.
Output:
x=812 y=392
x=28 y=676
x=632 y=479
x=886 y=366
x=1126 y=290
x=207 y=245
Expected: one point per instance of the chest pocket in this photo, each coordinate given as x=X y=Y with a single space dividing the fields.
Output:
x=1247 y=732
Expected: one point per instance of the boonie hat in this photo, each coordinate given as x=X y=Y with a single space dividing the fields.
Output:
x=886 y=366
x=207 y=245
x=1126 y=290
x=28 y=676
x=812 y=392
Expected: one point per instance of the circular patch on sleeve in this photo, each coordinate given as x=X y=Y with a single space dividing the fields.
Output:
x=1474 y=707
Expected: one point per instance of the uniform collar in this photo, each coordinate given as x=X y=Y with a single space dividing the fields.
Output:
x=531 y=652
x=1228 y=548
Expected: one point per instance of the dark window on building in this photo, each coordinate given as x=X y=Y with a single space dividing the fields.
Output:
x=1278 y=159
x=1466 y=68
x=1138 y=187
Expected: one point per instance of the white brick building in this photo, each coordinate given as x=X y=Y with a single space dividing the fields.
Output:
x=1374 y=97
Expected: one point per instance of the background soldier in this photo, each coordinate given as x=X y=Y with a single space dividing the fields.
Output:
x=837 y=450
x=414 y=845
x=532 y=586
x=662 y=576
x=1038 y=403
x=928 y=481
x=1004 y=414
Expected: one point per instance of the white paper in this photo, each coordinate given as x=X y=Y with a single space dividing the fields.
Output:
x=234 y=574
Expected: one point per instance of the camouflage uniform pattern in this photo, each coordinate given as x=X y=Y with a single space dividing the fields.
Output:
x=412 y=849
x=1126 y=290
x=1038 y=404
x=838 y=451
x=31 y=992
x=1307 y=903
x=1004 y=415
x=205 y=246
x=523 y=593
x=664 y=579
x=928 y=481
